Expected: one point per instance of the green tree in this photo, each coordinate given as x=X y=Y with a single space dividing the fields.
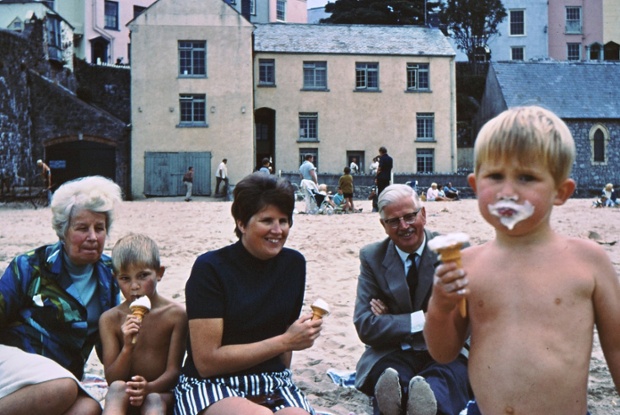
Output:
x=471 y=23
x=379 y=12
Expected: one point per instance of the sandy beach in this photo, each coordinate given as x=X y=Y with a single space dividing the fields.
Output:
x=331 y=245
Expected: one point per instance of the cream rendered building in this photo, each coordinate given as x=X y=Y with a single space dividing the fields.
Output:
x=191 y=95
x=340 y=92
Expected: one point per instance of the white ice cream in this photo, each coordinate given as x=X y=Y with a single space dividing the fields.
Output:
x=444 y=241
x=143 y=301
x=320 y=303
x=510 y=213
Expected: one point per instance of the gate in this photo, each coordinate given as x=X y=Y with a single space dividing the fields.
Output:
x=163 y=173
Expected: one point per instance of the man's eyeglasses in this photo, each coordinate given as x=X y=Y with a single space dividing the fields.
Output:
x=409 y=219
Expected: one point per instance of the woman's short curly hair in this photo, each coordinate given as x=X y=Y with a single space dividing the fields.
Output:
x=93 y=193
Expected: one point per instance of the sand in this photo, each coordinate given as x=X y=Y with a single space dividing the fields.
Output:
x=331 y=245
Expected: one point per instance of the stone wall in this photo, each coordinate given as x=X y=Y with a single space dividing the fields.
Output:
x=591 y=178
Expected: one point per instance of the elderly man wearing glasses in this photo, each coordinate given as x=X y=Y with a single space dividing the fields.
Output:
x=394 y=286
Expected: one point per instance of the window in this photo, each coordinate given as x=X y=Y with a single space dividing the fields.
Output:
x=425 y=123
x=55 y=36
x=425 y=158
x=517 y=53
x=266 y=72
x=367 y=76
x=573 y=51
x=137 y=10
x=314 y=152
x=599 y=146
x=193 y=109
x=16 y=25
x=418 y=77
x=253 y=7
x=192 y=58
x=517 y=22
x=573 y=20
x=281 y=10
x=315 y=75
x=308 y=126
x=596 y=50
x=111 y=15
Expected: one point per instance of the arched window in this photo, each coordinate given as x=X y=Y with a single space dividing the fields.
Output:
x=599 y=138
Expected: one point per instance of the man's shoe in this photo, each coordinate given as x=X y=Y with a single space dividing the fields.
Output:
x=388 y=393
x=421 y=399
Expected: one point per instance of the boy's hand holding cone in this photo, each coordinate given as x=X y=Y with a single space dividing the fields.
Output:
x=449 y=249
x=139 y=308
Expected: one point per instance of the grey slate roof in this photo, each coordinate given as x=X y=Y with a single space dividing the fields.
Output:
x=571 y=90
x=350 y=39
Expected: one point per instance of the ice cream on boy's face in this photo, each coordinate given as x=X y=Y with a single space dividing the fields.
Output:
x=510 y=212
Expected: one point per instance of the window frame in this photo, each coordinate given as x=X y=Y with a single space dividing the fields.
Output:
x=573 y=26
x=281 y=10
x=308 y=127
x=415 y=72
x=266 y=67
x=425 y=123
x=314 y=69
x=363 y=78
x=194 y=49
x=516 y=24
x=107 y=17
x=425 y=160
x=568 y=51
x=514 y=49
x=198 y=116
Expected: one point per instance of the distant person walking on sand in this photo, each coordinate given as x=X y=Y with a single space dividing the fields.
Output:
x=221 y=175
x=46 y=176
x=188 y=180
x=346 y=184
x=384 y=172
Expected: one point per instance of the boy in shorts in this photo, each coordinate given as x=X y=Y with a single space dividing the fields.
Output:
x=142 y=359
x=534 y=296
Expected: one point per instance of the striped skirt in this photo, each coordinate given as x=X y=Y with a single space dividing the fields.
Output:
x=195 y=395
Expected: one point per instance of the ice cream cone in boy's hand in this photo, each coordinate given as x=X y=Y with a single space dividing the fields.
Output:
x=139 y=308
x=449 y=249
x=320 y=309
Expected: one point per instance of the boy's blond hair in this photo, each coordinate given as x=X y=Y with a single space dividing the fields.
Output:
x=527 y=134
x=135 y=249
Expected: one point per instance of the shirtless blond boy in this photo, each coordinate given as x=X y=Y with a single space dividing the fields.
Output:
x=534 y=296
x=141 y=373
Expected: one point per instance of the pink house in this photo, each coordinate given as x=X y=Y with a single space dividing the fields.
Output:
x=576 y=29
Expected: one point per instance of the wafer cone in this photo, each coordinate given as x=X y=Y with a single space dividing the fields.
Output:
x=318 y=312
x=449 y=249
x=320 y=309
x=453 y=254
x=139 y=311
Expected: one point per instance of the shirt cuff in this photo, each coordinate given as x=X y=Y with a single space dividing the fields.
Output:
x=417 y=321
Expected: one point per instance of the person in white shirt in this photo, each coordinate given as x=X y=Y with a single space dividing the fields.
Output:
x=355 y=169
x=221 y=175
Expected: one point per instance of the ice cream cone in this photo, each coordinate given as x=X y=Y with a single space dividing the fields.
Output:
x=139 y=308
x=139 y=311
x=449 y=249
x=320 y=309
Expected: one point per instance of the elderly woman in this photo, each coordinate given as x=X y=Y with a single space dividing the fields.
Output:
x=50 y=302
x=243 y=304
